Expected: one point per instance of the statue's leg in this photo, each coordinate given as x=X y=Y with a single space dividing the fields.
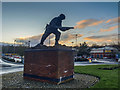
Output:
x=57 y=37
x=45 y=35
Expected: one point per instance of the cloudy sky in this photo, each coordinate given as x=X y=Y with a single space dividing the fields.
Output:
x=95 y=22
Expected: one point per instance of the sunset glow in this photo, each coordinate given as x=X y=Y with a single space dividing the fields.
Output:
x=95 y=22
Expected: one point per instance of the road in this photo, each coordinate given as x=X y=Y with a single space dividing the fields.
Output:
x=9 y=67
x=96 y=62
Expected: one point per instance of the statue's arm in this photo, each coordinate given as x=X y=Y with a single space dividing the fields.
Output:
x=66 y=28
x=63 y=28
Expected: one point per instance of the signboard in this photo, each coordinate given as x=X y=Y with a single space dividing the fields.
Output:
x=10 y=54
x=107 y=50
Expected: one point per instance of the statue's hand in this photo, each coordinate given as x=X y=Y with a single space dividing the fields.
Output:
x=66 y=28
x=71 y=28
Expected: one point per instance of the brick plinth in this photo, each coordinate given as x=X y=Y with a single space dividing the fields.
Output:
x=49 y=65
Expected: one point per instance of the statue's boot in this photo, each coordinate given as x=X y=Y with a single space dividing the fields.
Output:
x=39 y=46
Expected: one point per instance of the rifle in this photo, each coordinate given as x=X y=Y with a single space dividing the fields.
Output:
x=66 y=28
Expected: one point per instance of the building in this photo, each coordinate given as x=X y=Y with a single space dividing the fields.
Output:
x=105 y=52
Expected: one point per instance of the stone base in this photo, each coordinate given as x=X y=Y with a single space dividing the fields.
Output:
x=48 y=80
x=49 y=65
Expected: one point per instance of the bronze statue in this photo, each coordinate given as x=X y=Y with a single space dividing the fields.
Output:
x=52 y=27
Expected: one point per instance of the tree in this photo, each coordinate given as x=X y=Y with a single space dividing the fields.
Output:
x=96 y=46
x=19 y=50
x=83 y=49
x=115 y=45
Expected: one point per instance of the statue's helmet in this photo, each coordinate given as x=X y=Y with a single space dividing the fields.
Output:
x=62 y=16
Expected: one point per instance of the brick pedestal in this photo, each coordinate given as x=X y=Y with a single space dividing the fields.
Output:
x=49 y=65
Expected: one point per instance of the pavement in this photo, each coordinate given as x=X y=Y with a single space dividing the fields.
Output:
x=96 y=62
x=10 y=67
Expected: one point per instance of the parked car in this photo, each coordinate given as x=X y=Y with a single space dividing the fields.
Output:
x=81 y=59
x=119 y=60
x=17 y=58
x=105 y=57
x=10 y=57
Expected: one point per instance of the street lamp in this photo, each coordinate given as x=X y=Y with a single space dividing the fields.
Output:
x=76 y=46
x=28 y=43
x=14 y=46
x=72 y=43
x=76 y=39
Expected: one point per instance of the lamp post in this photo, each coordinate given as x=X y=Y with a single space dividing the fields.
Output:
x=14 y=46
x=76 y=46
x=76 y=39
x=72 y=43
x=28 y=43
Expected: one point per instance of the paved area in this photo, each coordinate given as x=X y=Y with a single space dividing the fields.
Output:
x=95 y=62
x=15 y=80
x=12 y=75
x=9 y=67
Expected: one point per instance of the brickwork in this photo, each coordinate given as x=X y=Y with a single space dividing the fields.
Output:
x=49 y=65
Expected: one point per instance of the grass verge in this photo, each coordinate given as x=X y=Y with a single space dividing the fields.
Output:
x=108 y=78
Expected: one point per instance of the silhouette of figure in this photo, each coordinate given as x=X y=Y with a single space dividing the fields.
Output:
x=53 y=26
